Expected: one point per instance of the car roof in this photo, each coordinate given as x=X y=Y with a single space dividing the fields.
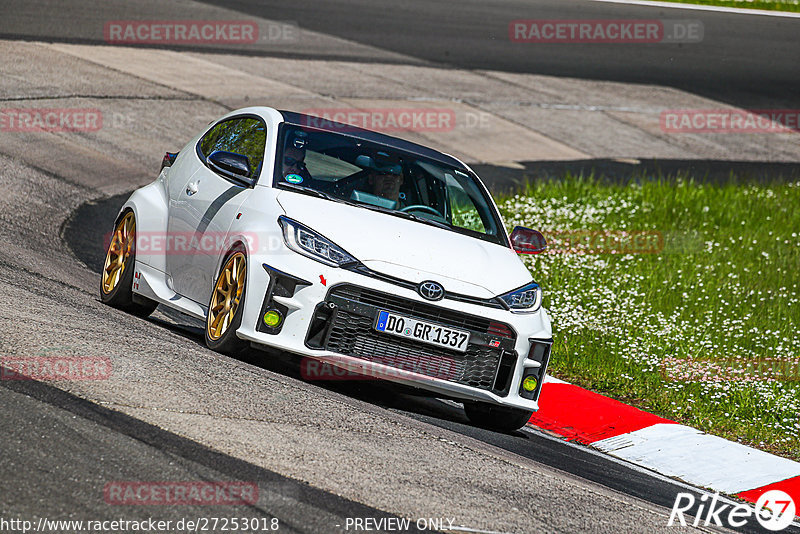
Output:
x=312 y=121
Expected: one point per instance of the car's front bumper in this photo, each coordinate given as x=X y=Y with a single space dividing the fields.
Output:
x=329 y=315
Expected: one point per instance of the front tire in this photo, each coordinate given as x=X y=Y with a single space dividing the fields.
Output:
x=227 y=306
x=497 y=418
x=116 y=281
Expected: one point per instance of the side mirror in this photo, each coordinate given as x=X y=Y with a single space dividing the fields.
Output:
x=231 y=165
x=527 y=241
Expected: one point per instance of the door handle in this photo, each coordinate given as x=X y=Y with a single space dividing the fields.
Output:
x=191 y=189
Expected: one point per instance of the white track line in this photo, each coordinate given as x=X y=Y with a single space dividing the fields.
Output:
x=697 y=7
x=633 y=467
x=698 y=458
x=636 y=467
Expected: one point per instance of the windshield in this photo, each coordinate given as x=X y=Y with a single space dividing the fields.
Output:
x=348 y=169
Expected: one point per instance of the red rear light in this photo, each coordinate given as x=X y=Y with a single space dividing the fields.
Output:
x=169 y=159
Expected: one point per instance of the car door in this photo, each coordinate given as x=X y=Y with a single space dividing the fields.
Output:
x=204 y=205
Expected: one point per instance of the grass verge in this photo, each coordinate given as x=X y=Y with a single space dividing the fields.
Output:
x=705 y=330
x=776 y=5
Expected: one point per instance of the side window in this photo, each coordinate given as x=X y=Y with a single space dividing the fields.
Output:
x=246 y=136
x=464 y=212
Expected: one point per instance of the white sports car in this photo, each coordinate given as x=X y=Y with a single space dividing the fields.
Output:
x=360 y=251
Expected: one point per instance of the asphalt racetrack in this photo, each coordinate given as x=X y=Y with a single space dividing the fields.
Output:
x=320 y=453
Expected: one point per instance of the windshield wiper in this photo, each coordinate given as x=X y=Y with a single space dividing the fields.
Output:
x=308 y=191
x=433 y=222
x=406 y=215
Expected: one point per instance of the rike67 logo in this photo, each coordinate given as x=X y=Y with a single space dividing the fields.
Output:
x=774 y=510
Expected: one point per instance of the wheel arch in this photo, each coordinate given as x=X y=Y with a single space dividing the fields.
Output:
x=150 y=209
x=235 y=245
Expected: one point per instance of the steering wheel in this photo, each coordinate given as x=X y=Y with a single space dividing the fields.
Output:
x=421 y=207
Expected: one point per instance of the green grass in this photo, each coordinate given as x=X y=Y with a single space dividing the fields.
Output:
x=704 y=332
x=771 y=5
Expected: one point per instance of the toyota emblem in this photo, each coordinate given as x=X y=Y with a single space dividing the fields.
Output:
x=431 y=290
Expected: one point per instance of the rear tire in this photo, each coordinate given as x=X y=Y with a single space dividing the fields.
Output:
x=226 y=307
x=116 y=280
x=497 y=418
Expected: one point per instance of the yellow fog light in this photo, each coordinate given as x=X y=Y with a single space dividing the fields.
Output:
x=530 y=383
x=272 y=318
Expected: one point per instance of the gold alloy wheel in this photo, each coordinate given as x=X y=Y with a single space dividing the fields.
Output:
x=227 y=296
x=119 y=249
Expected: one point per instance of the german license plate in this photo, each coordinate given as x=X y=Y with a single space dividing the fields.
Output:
x=430 y=333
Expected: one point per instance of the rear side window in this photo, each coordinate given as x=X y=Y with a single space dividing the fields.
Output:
x=246 y=136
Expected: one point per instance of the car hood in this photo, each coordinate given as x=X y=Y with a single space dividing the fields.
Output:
x=411 y=250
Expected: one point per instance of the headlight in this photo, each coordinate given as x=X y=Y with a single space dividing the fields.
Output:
x=528 y=298
x=307 y=242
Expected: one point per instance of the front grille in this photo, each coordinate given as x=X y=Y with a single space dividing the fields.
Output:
x=350 y=332
x=353 y=335
x=386 y=301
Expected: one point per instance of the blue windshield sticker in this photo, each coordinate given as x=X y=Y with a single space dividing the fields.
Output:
x=294 y=178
